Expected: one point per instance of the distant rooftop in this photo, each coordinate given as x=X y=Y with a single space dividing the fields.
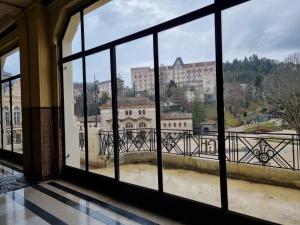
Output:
x=179 y=62
x=125 y=102
x=175 y=116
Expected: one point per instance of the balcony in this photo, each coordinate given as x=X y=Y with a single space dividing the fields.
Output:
x=263 y=166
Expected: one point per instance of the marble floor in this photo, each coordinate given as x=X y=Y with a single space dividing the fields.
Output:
x=59 y=202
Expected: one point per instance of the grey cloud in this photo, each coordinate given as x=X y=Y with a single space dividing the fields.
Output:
x=268 y=28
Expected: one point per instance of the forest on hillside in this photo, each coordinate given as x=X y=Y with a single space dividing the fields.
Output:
x=255 y=86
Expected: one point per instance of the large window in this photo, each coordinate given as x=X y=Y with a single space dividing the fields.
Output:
x=74 y=113
x=186 y=64
x=99 y=112
x=261 y=56
x=11 y=122
x=167 y=103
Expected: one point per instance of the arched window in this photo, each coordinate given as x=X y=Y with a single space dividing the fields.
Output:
x=140 y=112
x=169 y=124
x=179 y=124
x=174 y=124
x=17 y=116
x=130 y=112
x=144 y=112
x=184 y=124
x=165 y=124
x=126 y=113
x=129 y=125
x=142 y=125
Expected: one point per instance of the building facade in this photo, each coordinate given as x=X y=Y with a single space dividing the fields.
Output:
x=139 y=113
x=104 y=87
x=14 y=107
x=200 y=76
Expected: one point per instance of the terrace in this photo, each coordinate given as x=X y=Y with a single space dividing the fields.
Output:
x=263 y=166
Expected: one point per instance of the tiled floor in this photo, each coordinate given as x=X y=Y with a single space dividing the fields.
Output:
x=59 y=202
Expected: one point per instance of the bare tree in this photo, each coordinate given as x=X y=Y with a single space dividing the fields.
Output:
x=283 y=90
x=293 y=58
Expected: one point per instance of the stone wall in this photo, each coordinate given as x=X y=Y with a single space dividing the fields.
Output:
x=252 y=173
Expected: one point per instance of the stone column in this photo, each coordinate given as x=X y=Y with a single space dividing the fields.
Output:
x=36 y=94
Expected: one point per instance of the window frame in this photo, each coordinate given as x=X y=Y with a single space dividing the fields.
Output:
x=214 y=9
x=8 y=80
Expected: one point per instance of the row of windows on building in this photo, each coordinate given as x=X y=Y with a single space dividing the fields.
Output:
x=16 y=116
x=174 y=124
x=141 y=125
x=129 y=112
x=144 y=125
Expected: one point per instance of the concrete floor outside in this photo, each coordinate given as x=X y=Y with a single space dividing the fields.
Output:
x=269 y=202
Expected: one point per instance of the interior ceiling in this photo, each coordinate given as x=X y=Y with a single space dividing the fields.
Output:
x=10 y=9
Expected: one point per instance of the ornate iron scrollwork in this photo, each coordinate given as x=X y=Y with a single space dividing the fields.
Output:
x=263 y=152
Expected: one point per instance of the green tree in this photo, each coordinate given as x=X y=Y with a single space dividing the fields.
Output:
x=198 y=112
x=103 y=99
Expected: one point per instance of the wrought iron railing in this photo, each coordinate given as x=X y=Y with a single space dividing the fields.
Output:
x=17 y=136
x=264 y=149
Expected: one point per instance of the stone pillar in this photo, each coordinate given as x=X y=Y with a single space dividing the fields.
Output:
x=36 y=94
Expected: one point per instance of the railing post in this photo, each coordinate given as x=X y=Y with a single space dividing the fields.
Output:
x=294 y=166
x=190 y=147
x=184 y=143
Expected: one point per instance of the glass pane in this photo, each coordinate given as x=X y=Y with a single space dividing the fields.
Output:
x=6 y=116
x=17 y=116
x=72 y=39
x=262 y=93
x=100 y=135
x=10 y=64
x=74 y=114
x=136 y=114
x=102 y=19
x=188 y=111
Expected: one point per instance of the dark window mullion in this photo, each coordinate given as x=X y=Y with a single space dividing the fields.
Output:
x=84 y=95
x=157 y=112
x=11 y=118
x=1 y=110
x=113 y=68
x=62 y=103
x=220 y=110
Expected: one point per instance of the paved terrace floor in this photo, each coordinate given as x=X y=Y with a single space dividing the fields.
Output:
x=273 y=203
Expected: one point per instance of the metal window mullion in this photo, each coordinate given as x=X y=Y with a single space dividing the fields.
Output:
x=84 y=95
x=11 y=118
x=11 y=78
x=220 y=111
x=157 y=112
x=114 y=91
x=1 y=110
x=62 y=104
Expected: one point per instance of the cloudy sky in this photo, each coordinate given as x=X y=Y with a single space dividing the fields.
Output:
x=269 y=28
x=11 y=63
